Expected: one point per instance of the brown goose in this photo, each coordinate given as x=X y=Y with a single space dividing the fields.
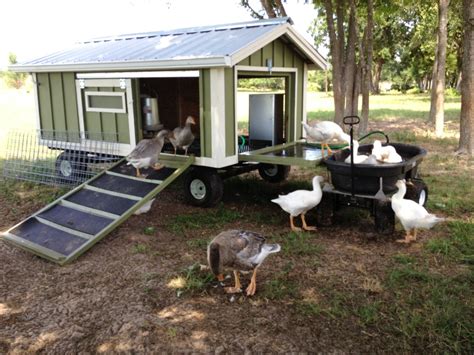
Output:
x=242 y=251
x=147 y=153
x=183 y=137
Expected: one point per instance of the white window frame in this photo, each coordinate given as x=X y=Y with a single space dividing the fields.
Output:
x=88 y=94
x=124 y=148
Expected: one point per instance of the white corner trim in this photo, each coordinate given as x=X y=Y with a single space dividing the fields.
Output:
x=36 y=95
x=305 y=97
x=218 y=114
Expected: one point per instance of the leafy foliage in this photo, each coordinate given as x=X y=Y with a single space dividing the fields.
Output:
x=13 y=79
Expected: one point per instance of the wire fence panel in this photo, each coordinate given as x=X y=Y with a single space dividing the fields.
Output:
x=57 y=158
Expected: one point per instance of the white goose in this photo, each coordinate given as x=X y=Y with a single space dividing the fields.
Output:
x=298 y=202
x=358 y=159
x=411 y=214
x=324 y=132
x=387 y=154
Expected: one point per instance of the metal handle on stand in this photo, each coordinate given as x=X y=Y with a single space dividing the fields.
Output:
x=387 y=141
x=351 y=121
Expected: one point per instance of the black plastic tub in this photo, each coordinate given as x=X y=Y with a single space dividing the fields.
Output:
x=367 y=177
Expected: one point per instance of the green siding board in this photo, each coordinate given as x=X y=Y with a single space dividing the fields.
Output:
x=70 y=104
x=44 y=98
x=246 y=61
x=230 y=133
x=288 y=58
x=123 y=128
x=57 y=102
x=206 y=132
x=256 y=59
x=267 y=53
x=278 y=52
x=109 y=126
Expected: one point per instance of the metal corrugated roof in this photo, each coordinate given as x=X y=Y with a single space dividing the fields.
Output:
x=210 y=46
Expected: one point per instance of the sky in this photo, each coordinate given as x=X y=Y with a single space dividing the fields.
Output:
x=32 y=28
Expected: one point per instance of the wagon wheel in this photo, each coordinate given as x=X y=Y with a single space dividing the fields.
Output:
x=417 y=191
x=273 y=173
x=203 y=187
x=70 y=168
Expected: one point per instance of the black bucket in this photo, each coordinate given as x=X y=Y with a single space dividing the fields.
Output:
x=367 y=177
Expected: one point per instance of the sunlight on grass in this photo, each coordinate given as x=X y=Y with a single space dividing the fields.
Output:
x=191 y=280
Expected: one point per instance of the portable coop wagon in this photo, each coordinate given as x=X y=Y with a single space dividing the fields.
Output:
x=125 y=88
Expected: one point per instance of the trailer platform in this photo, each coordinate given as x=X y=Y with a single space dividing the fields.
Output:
x=298 y=153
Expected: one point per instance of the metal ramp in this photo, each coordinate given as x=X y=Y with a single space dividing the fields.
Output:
x=72 y=224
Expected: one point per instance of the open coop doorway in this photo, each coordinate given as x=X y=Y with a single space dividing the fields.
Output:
x=165 y=103
x=261 y=111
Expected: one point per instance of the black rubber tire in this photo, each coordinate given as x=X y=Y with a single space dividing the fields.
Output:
x=417 y=191
x=71 y=168
x=325 y=210
x=203 y=187
x=384 y=217
x=274 y=173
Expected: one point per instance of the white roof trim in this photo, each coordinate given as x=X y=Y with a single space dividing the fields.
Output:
x=130 y=65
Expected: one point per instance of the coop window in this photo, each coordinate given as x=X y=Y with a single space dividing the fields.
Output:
x=102 y=101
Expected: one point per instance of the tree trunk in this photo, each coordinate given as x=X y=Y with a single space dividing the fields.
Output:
x=439 y=80
x=367 y=70
x=377 y=75
x=280 y=8
x=350 y=71
x=466 y=137
x=336 y=44
x=267 y=5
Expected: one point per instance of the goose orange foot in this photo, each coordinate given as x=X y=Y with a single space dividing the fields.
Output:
x=252 y=287
x=408 y=238
x=293 y=227
x=305 y=226
x=232 y=289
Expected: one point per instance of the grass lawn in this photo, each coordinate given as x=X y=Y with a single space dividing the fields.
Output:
x=341 y=289
x=386 y=107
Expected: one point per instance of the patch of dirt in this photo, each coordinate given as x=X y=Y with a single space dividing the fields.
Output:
x=118 y=297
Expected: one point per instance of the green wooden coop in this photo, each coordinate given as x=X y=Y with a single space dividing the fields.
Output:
x=124 y=88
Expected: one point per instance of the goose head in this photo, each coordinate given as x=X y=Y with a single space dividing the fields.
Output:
x=162 y=133
x=190 y=120
x=377 y=144
x=317 y=180
x=400 y=184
